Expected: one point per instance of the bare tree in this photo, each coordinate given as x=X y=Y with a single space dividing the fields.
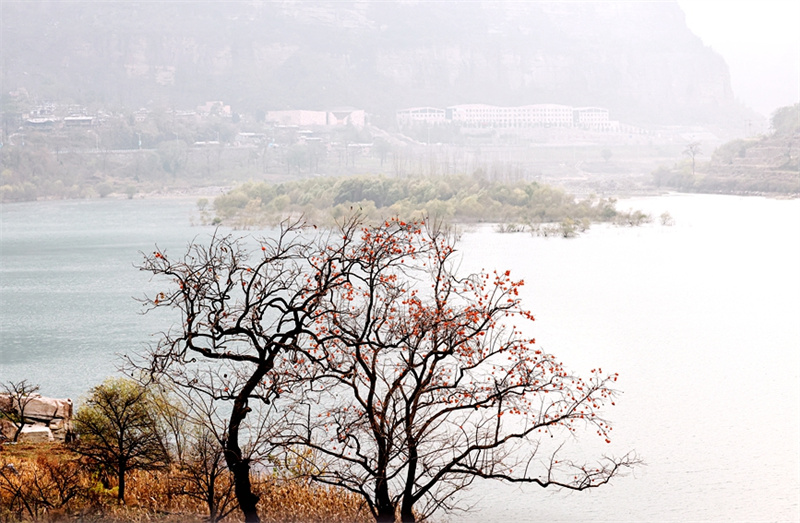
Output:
x=173 y=420
x=18 y=395
x=692 y=150
x=119 y=431
x=419 y=381
x=197 y=435
x=207 y=477
x=242 y=321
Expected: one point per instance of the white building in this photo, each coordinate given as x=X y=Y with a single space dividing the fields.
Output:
x=521 y=117
x=526 y=116
x=420 y=115
x=592 y=119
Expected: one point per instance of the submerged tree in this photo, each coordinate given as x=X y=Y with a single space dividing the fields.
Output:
x=419 y=381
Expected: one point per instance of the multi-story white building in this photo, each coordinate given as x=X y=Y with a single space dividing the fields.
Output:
x=521 y=117
x=526 y=116
x=420 y=115
x=481 y=115
x=592 y=118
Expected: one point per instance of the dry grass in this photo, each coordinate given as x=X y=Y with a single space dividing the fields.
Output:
x=49 y=483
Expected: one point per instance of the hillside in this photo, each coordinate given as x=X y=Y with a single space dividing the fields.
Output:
x=768 y=164
x=636 y=58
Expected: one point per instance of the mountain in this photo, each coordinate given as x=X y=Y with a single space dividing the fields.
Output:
x=638 y=59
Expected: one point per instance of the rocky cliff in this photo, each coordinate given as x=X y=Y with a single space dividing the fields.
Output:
x=636 y=58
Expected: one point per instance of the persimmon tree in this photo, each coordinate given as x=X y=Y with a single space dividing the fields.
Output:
x=244 y=316
x=418 y=381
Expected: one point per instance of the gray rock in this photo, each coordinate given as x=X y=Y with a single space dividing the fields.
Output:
x=36 y=434
x=38 y=407
x=45 y=409
x=7 y=429
x=46 y=419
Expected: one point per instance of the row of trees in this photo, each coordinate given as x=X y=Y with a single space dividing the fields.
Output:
x=360 y=355
x=123 y=153
x=35 y=171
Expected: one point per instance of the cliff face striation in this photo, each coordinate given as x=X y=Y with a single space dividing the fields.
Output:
x=636 y=58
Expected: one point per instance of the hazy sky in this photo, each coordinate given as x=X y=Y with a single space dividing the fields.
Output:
x=760 y=41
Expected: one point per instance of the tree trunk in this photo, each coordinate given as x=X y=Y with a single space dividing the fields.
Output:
x=383 y=503
x=385 y=515
x=407 y=506
x=210 y=499
x=19 y=427
x=244 y=491
x=121 y=482
x=238 y=465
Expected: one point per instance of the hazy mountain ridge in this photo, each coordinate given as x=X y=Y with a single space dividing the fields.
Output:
x=637 y=59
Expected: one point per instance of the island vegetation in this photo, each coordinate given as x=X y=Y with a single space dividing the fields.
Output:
x=514 y=206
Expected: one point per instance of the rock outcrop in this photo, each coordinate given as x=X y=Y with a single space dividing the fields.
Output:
x=45 y=419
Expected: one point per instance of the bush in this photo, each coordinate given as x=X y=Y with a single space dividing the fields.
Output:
x=49 y=483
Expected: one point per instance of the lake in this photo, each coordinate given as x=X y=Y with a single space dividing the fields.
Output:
x=700 y=319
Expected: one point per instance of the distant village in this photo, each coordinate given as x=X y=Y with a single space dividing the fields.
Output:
x=467 y=116
x=304 y=125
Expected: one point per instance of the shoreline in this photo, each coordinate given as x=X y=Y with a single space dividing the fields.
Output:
x=212 y=191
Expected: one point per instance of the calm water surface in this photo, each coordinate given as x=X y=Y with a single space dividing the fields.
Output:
x=67 y=280
x=701 y=320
